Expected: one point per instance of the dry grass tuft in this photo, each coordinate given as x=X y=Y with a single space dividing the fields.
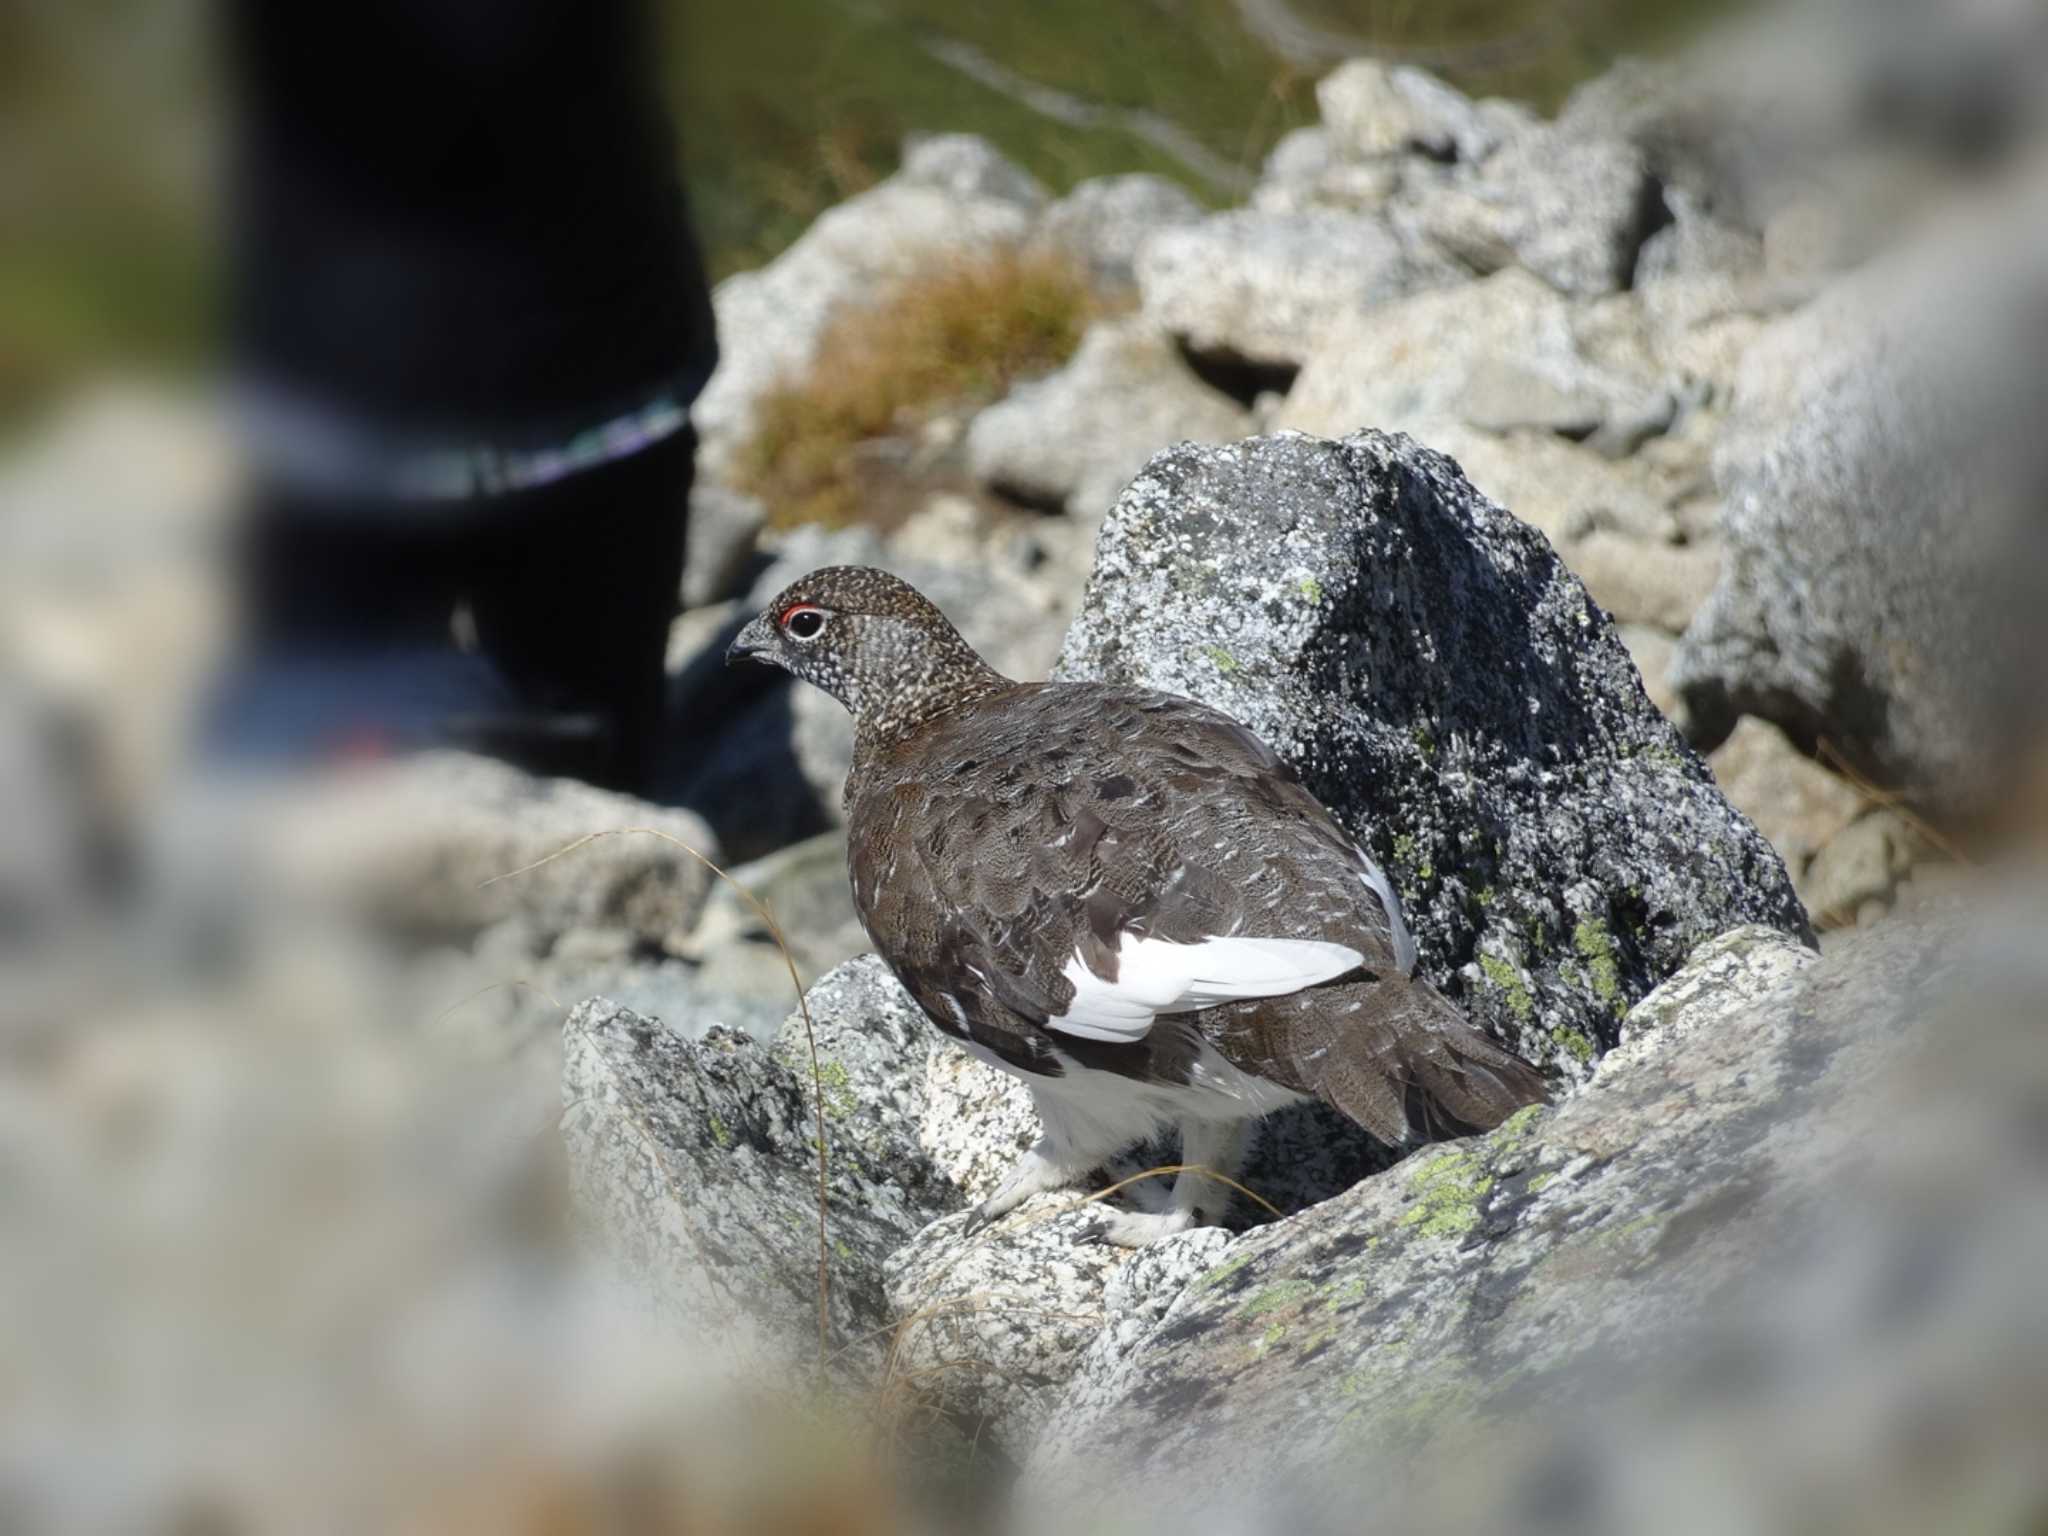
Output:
x=959 y=333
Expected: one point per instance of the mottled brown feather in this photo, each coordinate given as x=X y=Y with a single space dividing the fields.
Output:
x=996 y=829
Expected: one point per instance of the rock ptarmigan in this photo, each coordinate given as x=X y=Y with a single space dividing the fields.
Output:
x=1124 y=897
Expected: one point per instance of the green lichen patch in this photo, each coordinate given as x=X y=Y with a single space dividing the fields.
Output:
x=1224 y=1271
x=1221 y=659
x=1310 y=588
x=1595 y=946
x=1447 y=1190
x=1509 y=980
x=1577 y=1046
x=1514 y=1130
x=1281 y=1294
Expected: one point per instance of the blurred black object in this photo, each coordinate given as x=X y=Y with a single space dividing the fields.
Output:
x=467 y=318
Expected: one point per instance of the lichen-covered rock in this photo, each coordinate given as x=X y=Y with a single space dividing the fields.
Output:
x=1103 y=221
x=697 y=1164
x=1444 y=685
x=1075 y=439
x=1263 y=287
x=871 y=1041
x=699 y=1159
x=1484 y=1272
x=991 y=1325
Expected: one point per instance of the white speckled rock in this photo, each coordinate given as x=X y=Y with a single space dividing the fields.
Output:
x=978 y=1121
x=992 y=1326
x=1134 y=1301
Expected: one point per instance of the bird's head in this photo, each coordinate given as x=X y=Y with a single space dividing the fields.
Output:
x=873 y=642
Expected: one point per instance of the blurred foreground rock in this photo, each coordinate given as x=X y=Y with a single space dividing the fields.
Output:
x=1697 y=1259
x=698 y=1163
x=1882 y=516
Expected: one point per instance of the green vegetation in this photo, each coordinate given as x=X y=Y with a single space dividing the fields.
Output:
x=959 y=333
x=1533 y=50
x=784 y=107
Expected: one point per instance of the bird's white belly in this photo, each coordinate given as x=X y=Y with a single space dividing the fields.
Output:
x=1087 y=1107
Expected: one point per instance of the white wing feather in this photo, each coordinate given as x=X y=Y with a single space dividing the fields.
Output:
x=1156 y=976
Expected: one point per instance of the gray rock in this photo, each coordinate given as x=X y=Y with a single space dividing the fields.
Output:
x=429 y=843
x=1861 y=865
x=871 y=1042
x=1103 y=221
x=1796 y=803
x=1263 y=288
x=969 y=169
x=1652 y=650
x=1302 y=155
x=724 y=526
x=1881 y=516
x=1642 y=582
x=804 y=887
x=1687 y=1210
x=1372 y=110
x=977 y=1120
x=954 y=197
x=1696 y=244
x=697 y=1165
x=1573 y=210
x=1498 y=354
x=1561 y=487
x=1075 y=439
x=1444 y=685
x=991 y=1326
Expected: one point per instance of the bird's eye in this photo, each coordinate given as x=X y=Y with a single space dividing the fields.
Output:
x=804 y=622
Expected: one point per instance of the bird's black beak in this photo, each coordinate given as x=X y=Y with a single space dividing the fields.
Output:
x=755 y=641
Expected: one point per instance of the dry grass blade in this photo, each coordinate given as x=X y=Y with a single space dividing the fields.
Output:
x=810 y=1039
x=484 y=991
x=1889 y=800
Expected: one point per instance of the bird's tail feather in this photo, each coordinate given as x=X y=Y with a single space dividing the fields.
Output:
x=1419 y=1072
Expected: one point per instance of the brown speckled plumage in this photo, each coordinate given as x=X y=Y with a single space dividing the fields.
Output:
x=997 y=829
